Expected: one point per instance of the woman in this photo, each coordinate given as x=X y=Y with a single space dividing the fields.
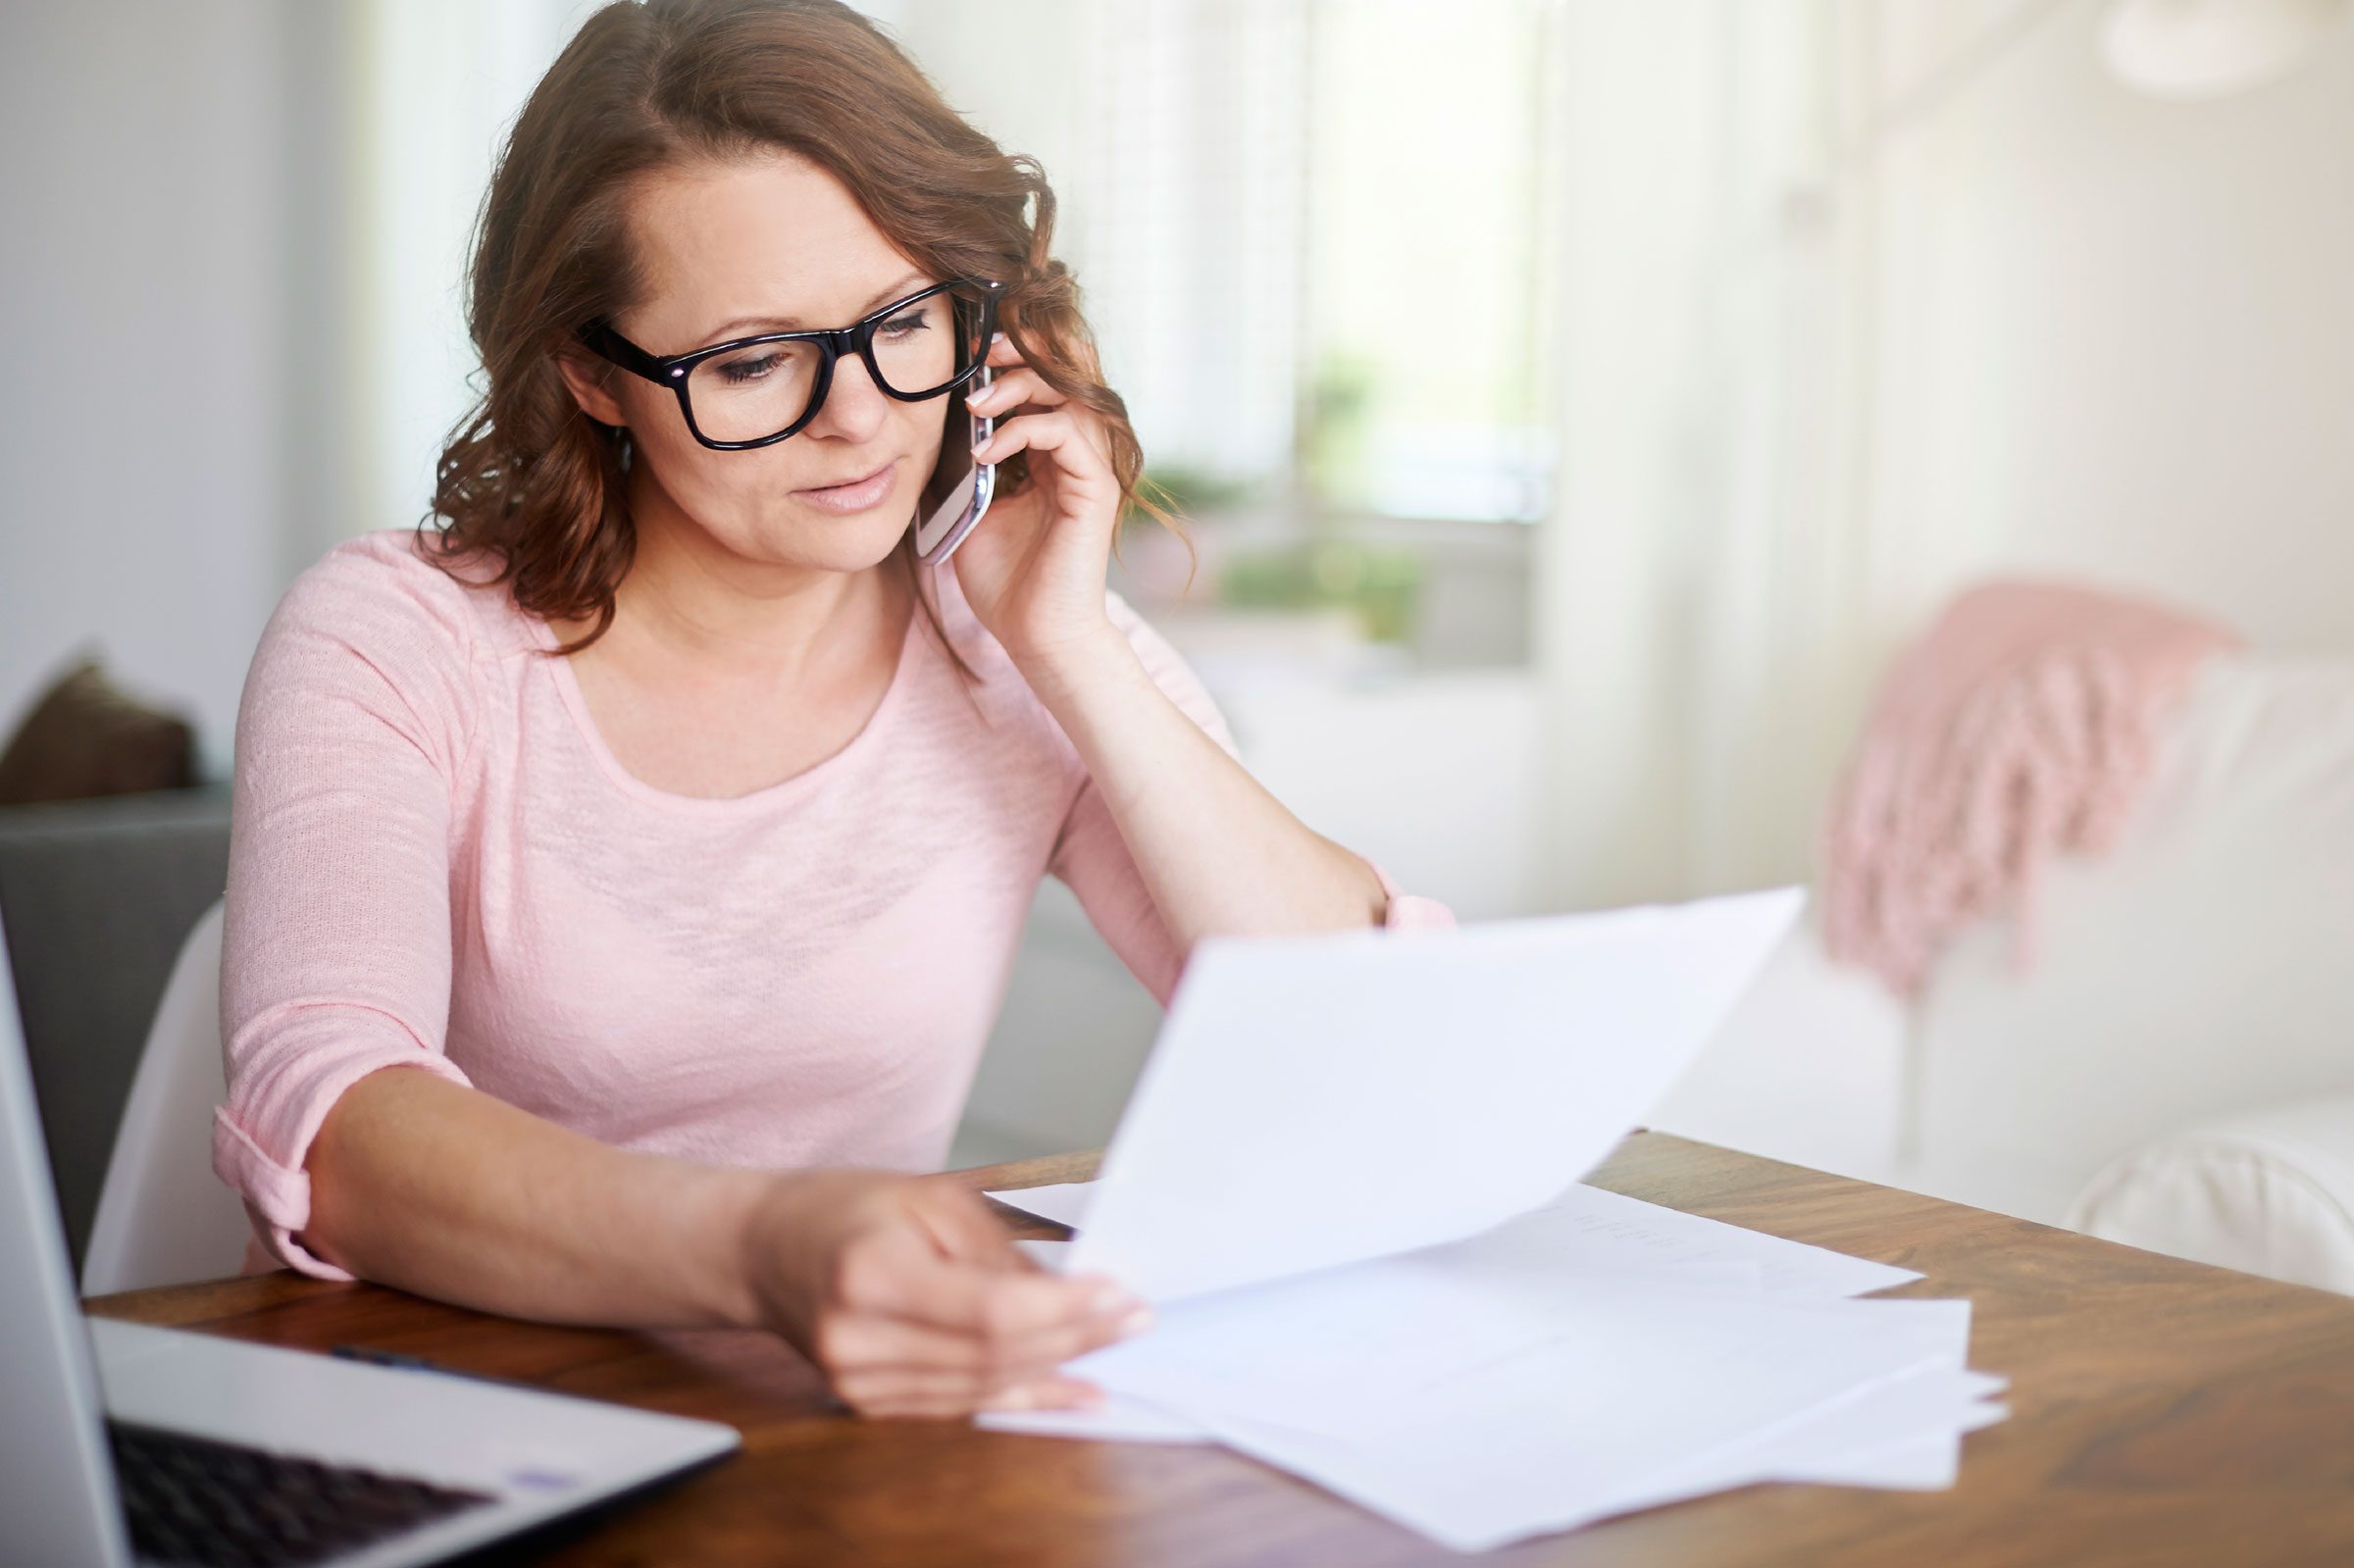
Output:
x=661 y=808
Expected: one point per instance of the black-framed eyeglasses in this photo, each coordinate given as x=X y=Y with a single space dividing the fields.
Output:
x=751 y=392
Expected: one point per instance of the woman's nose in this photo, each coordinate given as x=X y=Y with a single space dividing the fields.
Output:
x=854 y=407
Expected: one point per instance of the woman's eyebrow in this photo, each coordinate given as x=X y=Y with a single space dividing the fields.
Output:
x=793 y=323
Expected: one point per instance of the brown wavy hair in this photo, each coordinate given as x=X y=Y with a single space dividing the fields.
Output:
x=530 y=481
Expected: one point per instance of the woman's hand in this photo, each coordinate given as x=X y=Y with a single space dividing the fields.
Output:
x=914 y=1301
x=1034 y=569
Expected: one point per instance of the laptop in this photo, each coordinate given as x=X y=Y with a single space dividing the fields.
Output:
x=122 y=1443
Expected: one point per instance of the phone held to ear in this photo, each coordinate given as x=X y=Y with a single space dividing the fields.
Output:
x=958 y=491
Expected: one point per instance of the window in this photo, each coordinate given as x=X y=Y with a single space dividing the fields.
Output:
x=1310 y=235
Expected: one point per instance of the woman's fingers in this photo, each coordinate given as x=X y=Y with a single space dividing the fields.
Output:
x=1049 y=430
x=1010 y=390
x=892 y=1365
x=1007 y=1307
x=994 y=1362
x=961 y=1225
x=955 y=1269
x=891 y=1392
x=930 y=1308
x=1048 y=1393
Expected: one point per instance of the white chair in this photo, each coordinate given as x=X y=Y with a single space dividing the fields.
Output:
x=163 y=1217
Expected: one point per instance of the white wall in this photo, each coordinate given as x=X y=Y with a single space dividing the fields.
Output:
x=2116 y=335
x=238 y=235
x=151 y=329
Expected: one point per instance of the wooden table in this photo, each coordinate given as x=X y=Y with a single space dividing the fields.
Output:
x=2164 y=1413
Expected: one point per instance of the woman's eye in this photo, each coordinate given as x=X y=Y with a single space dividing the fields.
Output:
x=906 y=325
x=738 y=372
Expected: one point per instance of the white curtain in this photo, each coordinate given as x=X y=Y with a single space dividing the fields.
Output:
x=1703 y=625
x=434 y=86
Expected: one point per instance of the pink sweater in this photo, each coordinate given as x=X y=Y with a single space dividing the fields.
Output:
x=437 y=863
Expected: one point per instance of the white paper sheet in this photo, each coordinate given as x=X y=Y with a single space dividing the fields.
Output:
x=1601 y=1230
x=1479 y=1522
x=1468 y=1341
x=1063 y=1202
x=1730 y=1276
x=1391 y=1344
x=1126 y=1419
x=1510 y=1056
x=1905 y=1437
x=1496 y=1423
x=1903 y=1431
x=1928 y=1462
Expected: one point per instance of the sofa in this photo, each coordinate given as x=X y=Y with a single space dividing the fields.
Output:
x=2172 y=1066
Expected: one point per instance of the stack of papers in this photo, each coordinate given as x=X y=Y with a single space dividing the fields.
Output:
x=1348 y=1181
x=1597 y=1355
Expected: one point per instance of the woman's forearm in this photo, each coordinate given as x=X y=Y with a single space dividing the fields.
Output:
x=450 y=1193
x=1219 y=854
x=904 y=1291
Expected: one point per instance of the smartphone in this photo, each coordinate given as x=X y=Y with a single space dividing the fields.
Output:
x=958 y=491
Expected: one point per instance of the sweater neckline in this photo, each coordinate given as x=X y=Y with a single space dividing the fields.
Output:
x=768 y=797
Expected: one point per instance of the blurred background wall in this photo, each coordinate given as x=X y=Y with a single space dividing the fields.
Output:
x=1865 y=300
x=148 y=432
x=1574 y=402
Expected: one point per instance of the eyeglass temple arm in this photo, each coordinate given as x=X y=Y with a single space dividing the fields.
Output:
x=621 y=351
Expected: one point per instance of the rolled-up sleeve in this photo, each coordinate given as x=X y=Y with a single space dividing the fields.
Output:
x=336 y=947
x=1094 y=860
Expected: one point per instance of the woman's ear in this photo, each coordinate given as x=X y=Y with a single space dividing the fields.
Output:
x=589 y=379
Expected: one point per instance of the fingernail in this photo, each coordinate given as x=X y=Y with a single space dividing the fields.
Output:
x=1134 y=1323
x=997 y=338
x=1023 y=1397
x=1109 y=1296
x=981 y=449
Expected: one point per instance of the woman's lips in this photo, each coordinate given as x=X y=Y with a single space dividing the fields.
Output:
x=858 y=494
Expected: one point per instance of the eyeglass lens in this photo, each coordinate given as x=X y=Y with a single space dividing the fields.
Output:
x=757 y=391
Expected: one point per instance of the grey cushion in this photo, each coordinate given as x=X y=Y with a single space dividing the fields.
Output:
x=97 y=896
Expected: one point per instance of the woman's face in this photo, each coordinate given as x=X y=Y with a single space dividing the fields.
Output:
x=762 y=245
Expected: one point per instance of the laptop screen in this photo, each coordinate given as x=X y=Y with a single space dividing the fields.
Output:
x=57 y=1487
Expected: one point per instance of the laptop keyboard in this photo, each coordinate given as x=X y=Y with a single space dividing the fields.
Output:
x=214 y=1504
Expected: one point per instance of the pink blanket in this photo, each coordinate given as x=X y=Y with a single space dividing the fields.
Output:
x=2023 y=725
